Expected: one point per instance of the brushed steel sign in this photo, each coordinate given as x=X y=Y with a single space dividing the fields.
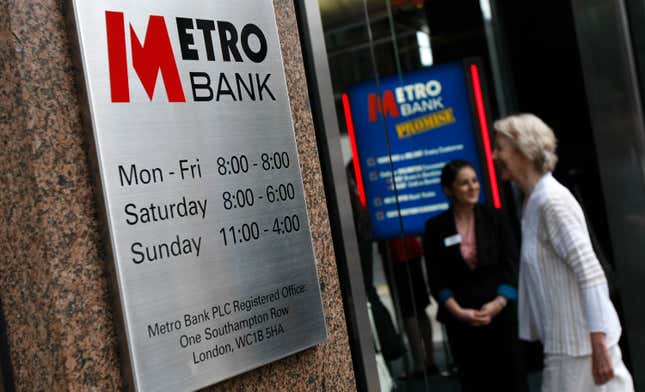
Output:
x=189 y=114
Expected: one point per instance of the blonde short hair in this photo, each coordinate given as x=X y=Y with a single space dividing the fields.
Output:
x=532 y=137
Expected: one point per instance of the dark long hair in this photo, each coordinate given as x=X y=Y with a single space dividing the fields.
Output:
x=450 y=171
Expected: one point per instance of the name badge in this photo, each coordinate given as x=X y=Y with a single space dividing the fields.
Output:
x=452 y=240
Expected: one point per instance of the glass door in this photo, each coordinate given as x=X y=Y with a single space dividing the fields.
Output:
x=410 y=84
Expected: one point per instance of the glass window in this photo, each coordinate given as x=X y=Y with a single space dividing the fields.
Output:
x=410 y=80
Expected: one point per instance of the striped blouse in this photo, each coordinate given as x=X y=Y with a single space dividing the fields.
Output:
x=563 y=294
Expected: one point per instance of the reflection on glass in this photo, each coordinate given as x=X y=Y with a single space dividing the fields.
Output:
x=398 y=49
x=425 y=51
x=486 y=11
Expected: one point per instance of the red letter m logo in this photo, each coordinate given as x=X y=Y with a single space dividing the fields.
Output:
x=154 y=56
x=385 y=106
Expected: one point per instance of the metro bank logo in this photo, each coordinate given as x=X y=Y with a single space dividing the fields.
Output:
x=409 y=100
x=385 y=106
x=156 y=56
x=148 y=59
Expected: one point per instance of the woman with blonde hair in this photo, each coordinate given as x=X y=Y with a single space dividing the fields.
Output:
x=563 y=298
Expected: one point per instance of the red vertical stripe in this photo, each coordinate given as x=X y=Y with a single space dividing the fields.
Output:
x=352 y=140
x=119 y=88
x=483 y=126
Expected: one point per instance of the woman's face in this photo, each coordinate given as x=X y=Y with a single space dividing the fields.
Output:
x=465 y=188
x=508 y=158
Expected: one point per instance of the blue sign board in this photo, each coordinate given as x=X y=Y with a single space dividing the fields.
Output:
x=405 y=131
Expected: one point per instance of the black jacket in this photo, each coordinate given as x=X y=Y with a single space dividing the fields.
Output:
x=497 y=254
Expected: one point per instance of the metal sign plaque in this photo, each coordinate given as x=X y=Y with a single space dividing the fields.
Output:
x=201 y=186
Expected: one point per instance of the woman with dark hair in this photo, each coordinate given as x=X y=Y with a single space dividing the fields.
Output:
x=471 y=258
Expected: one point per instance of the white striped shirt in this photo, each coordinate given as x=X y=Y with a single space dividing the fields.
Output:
x=563 y=293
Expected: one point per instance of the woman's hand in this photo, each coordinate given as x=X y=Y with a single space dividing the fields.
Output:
x=469 y=316
x=493 y=307
x=474 y=317
x=601 y=366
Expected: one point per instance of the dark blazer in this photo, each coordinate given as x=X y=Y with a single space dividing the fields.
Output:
x=497 y=254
